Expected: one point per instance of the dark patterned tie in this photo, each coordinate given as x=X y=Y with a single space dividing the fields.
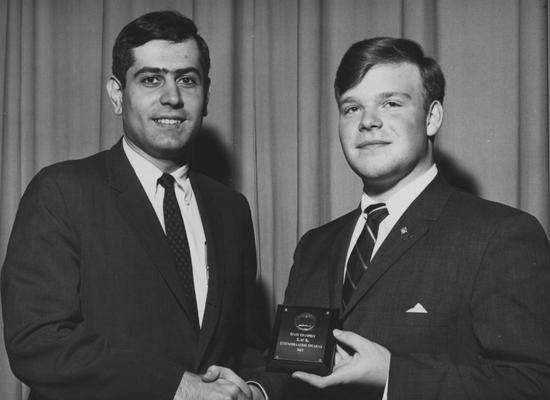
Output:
x=177 y=239
x=360 y=255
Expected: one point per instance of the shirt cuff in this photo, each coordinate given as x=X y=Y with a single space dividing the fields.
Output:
x=254 y=383
x=385 y=395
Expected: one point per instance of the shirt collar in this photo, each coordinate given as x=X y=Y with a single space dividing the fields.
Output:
x=148 y=173
x=400 y=201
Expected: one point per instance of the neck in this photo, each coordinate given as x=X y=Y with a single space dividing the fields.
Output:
x=381 y=191
x=167 y=165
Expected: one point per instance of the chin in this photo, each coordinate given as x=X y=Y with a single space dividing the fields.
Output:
x=372 y=173
x=173 y=144
x=172 y=152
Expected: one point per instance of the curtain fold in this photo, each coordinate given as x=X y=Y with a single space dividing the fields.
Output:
x=271 y=131
x=533 y=110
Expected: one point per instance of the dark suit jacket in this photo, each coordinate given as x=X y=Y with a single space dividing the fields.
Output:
x=92 y=303
x=482 y=272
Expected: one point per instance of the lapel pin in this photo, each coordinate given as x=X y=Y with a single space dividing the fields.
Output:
x=404 y=233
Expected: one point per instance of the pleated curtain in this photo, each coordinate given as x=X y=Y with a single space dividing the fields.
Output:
x=271 y=131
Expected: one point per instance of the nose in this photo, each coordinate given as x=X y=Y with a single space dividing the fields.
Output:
x=370 y=120
x=171 y=95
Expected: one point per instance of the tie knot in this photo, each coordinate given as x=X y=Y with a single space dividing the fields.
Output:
x=166 y=181
x=376 y=214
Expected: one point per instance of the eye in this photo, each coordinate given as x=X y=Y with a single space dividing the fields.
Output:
x=391 y=104
x=187 y=81
x=350 y=109
x=151 y=81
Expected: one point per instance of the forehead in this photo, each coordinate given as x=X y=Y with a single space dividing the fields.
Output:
x=167 y=55
x=389 y=78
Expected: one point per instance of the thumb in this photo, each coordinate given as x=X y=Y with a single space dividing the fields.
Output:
x=211 y=374
x=351 y=341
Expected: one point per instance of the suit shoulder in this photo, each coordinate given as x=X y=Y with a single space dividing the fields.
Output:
x=70 y=170
x=466 y=204
x=339 y=221
x=63 y=189
x=468 y=209
x=328 y=229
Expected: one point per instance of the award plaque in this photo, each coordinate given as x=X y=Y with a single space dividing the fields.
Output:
x=303 y=340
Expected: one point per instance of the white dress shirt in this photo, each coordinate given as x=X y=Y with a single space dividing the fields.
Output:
x=148 y=174
x=396 y=205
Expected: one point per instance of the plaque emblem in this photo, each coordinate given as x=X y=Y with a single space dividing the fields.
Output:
x=305 y=321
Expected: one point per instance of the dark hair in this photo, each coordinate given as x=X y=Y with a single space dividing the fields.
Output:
x=161 y=25
x=363 y=55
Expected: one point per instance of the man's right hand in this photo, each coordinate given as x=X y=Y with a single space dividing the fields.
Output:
x=192 y=387
x=215 y=372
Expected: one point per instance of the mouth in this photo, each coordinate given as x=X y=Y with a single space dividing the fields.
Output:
x=169 y=121
x=372 y=144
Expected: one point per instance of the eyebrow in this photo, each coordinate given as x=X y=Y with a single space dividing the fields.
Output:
x=179 y=71
x=383 y=95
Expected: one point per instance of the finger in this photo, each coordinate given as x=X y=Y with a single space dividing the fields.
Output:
x=229 y=375
x=341 y=359
x=316 y=380
x=235 y=391
x=350 y=340
x=312 y=379
x=212 y=373
x=341 y=352
x=338 y=359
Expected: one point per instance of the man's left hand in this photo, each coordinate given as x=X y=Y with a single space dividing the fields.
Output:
x=368 y=365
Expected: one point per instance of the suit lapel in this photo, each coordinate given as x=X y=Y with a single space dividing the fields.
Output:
x=412 y=226
x=136 y=209
x=213 y=231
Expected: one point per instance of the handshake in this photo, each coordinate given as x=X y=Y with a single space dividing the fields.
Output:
x=359 y=361
x=218 y=383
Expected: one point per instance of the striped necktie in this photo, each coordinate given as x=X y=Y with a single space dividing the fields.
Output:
x=360 y=256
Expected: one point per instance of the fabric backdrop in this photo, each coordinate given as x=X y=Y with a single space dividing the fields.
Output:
x=272 y=128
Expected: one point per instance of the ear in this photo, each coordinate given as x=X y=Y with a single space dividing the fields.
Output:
x=206 y=98
x=114 y=90
x=434 y=118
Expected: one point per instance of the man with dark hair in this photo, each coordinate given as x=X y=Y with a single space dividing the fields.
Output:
x=362 y=56
x=127 y=274
x=443 y=295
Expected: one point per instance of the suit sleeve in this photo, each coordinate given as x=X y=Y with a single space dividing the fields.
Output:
x=280 y=385
x=49 y=344
x=510 y=305
x=255 y=310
